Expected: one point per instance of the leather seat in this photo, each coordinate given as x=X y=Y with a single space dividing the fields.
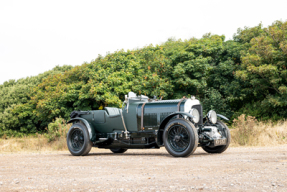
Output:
x=112 y=111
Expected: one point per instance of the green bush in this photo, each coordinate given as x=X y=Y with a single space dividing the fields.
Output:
x=244 y=75
x=57 y=129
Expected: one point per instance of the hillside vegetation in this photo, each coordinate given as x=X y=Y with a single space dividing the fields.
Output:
x=246 y=75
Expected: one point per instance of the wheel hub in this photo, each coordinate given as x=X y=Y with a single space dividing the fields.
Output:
x=76 y=138
x=177 y=138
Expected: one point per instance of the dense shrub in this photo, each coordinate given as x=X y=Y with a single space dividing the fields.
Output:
x=57 y=129
x=16 y=112
x=245 y=75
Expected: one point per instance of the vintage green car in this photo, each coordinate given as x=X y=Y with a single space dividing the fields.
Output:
x=178 y=125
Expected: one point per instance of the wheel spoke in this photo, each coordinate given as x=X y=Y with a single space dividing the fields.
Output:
x=184 y=142
x=180 y=130
x=172 y=133
x=176 y=130
x=77 y=139
x=178 y=138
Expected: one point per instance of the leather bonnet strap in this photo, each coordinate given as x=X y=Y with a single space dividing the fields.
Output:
x=142 y=127
x=178 y=105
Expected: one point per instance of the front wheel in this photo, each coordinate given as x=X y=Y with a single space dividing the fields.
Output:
x=180 y=138
x=223 y=129
x=78 y=140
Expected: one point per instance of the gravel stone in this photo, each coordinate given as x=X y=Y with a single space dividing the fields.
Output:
x=237 y=169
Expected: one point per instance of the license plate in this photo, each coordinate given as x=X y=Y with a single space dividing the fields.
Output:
x=218 y=142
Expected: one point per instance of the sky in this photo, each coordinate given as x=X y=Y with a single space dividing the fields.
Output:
x=36 y=36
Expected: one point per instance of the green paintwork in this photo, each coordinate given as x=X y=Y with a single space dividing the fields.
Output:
x=107 y=129
x=101 y=122
x=155 y=112
x=130 y=116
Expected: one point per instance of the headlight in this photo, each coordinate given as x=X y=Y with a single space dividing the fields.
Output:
x=195 y=114
x=212 y=116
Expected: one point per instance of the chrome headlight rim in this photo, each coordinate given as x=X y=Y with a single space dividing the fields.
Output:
x=212 y=116
x=196 y=116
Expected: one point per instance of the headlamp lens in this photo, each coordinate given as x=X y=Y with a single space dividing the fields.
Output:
x=212 y=116
x=195 y=114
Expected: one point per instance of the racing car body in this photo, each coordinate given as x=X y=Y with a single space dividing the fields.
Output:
x=178 y=125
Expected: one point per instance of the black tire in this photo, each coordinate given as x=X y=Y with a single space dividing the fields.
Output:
x=219 y=149
x=119 y=150
x=78 y=140
x=180 y=137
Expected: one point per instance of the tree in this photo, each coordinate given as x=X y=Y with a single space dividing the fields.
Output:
x=264 y=67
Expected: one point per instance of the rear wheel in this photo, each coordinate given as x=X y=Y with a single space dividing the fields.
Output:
x=180 y=138
x=119 y=150
x=223 y=129
x=78 y=140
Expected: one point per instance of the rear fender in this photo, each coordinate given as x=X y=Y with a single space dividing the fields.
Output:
x=91 y=130
x=165 y=121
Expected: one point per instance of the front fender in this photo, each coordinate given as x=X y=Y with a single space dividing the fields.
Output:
x=166 y=120
x=223 y=117
x=91 y=130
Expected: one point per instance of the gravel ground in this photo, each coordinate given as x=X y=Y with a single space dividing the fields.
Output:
x=237 y=169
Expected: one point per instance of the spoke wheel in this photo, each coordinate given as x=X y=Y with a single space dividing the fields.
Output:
x=78 y=140
x=226 y=133
x=178 y=138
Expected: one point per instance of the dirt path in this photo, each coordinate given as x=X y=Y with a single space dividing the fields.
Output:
x=238 y=169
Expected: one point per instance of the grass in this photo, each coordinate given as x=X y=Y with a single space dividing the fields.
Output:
x=31 y=143
x=53 y=140
x=246 y=131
